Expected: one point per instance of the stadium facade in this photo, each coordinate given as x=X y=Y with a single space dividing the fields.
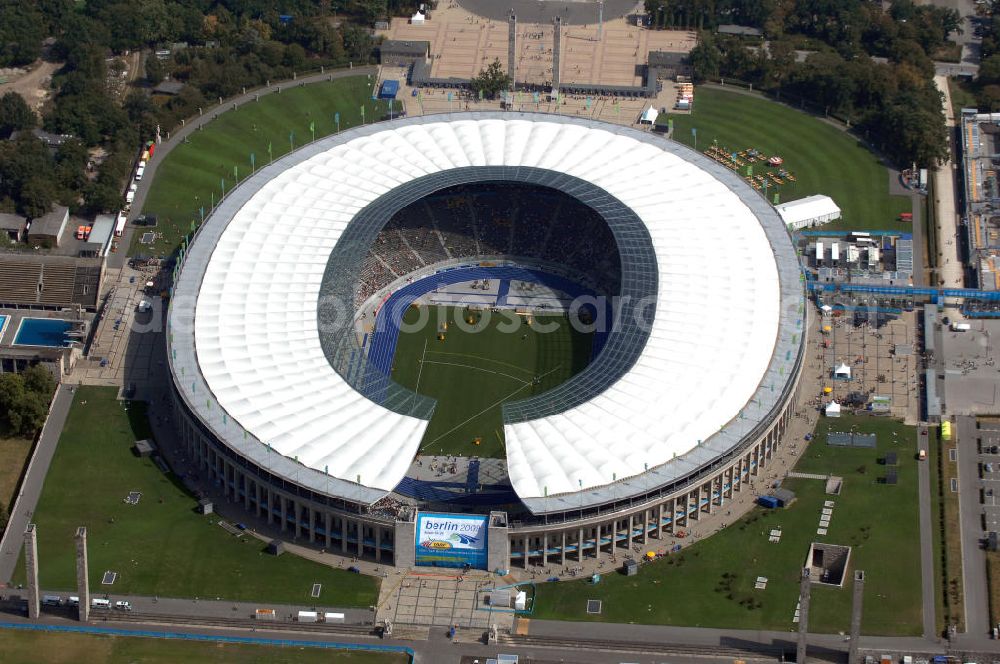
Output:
x=683 y=407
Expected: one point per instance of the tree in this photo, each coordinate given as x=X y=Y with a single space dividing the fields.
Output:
x=491 y=81
x=32 y=411
x=15 y=114
x=38 y=379
x=154 y=69
x=706 y=58
x=989 y=70
x=11 y=394
x=37 y=197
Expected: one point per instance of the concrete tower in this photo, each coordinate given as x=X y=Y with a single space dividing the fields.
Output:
x=512 y=50
x=800 y=650
x=31 y=569
x=555 y=53
x=859 y=593
x=82 y=580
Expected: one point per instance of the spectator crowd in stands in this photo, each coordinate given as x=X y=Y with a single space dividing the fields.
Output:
x=505 y=220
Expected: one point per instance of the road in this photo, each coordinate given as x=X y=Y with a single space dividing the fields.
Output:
x=949 y=264
x=970 y=519
x=34 y=478
x=176 y=137
x=930 y=586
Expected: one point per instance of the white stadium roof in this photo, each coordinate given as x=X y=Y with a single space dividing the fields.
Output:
x=720 y=310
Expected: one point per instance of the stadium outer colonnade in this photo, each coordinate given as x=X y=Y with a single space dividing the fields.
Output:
x=337 y=525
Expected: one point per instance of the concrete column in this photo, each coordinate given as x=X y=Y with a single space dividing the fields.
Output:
x=328 y=522
x=82 y=578
x=308 y=520
x=343 y=535
x=31 y=569
x=659 y=521
x=404 y=546
x=284 y=512
x=361 y=539
x=628 y=535
x=256 y=488
x=562 y=552
x=711 y=495
x=527 y=548
x=545 y=548
x=246 y=490
x=378 y=544
x=579 y=545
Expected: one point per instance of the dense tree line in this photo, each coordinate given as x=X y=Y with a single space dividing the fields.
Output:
x=24 y=401
x=231 y=44
x=822 y=51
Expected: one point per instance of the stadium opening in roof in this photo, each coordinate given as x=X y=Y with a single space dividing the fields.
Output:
x=568 y=331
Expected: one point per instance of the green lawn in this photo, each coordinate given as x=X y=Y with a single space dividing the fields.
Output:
x=710 y=584
x=191 y=175
x=474 y=370
x=823 y=159
x=24 y=647
x=160 y=546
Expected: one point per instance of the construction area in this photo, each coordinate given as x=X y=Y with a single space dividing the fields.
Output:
x=869 y=363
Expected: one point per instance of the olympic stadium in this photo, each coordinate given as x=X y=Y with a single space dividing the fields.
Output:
x=286 y=326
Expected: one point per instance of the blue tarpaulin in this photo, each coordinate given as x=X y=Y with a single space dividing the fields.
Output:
x=389 y=89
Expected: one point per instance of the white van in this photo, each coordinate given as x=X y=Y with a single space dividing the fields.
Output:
x=140 y=171
x=98 y=603
x=51 y=600
x=122 y=605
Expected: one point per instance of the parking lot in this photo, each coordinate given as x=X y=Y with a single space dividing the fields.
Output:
x=988 y=464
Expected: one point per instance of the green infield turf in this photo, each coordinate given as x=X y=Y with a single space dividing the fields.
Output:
x=159 y=546
x=192 y=174
x=478 y=367
x=711 y=583
x=822 y=158
x=30 y=647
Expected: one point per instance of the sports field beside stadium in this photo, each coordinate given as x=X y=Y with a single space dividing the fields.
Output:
x=30 y=647
x=823 y=159
x=711 y=583
x=477 y=367
x=192 y=174
x=159 y=546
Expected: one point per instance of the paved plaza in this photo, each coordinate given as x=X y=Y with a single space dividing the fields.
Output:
x=425 y=598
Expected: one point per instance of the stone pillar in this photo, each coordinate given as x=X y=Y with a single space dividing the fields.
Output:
x=805 y=587
x=579 y=545
x=526 y=543
x=284 y=512
x=556 y=36
x=31 y=569
x=512 y=49
x=598 y=536
x=498 y=542
x=82 y=578
x=628 y=535
x=659 y=521
x=303 y=523
x=257 y=491
x=711 y=494
x=562 y=552
x=343 y=535
x=404 y=543
x=378 y=543
x=361 y=539
x=328 y=522
x=859 y=593
x=246 y=490
x=545 y=548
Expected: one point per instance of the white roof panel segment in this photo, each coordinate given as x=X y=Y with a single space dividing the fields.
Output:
x=717 y=309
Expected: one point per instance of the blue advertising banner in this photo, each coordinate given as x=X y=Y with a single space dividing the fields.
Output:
x=451 y=540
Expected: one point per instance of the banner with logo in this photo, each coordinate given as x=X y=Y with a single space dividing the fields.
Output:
x=451 y=540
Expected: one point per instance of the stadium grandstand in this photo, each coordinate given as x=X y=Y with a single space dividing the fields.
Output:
x=281 y=345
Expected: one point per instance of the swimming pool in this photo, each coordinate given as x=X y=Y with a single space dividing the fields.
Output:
x=43 y=332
